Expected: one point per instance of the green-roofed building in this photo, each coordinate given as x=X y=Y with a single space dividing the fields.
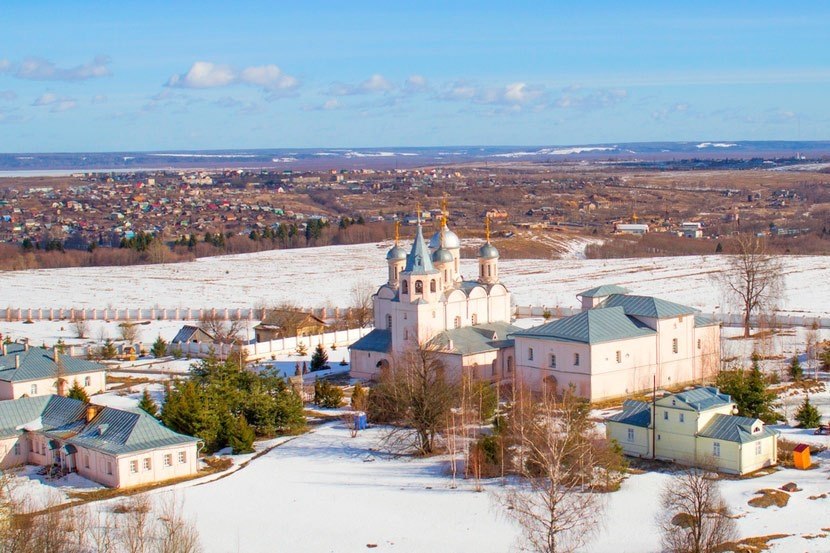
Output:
x=696 y=427
x=618 y=345
x=114 y=447
x=27 y=371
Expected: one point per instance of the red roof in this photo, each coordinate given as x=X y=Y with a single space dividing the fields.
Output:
x=801 y=447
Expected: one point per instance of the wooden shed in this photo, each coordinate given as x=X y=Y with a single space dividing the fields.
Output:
x=801 y=457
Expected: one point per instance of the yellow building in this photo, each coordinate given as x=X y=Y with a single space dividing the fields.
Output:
x=697 y=428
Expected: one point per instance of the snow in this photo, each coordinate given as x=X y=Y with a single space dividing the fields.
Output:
x=703 y=145
x=273 y=277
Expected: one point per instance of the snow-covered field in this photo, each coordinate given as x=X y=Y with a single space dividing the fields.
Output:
x=317 y=277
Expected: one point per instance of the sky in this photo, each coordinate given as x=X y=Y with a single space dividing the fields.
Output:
x=119 y=76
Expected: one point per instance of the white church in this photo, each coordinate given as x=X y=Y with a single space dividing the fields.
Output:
x=427 y=301
x=618 y=345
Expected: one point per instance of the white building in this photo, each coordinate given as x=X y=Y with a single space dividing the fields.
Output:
x=618 y=345
x=691 y=229
x=426 y=301
x=27 y=371
x=697 y=427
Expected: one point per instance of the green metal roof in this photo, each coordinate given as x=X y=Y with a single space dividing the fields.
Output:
x=591 y=327
x=634 y=413
x=419 y=261
x=700 y=321
x=38 y=413
x=120 y=432
x=39 y=363
x=379 y=340
x=475 y=339
x=646 y=306
x=603 y=291
x=703 y=398
x=730 y=428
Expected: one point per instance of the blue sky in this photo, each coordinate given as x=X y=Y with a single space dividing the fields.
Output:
x=104 y=76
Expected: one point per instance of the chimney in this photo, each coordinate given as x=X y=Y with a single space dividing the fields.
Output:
x=91 y=411
x=56 y=354
x=5 y=351
x=16 y=361
x=26 y=344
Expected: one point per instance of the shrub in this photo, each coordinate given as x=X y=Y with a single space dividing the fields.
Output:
x=77 y=392
x=796 y=372
x=327 y=395
x=359 y=398
x=159 y=347
x=808 y=416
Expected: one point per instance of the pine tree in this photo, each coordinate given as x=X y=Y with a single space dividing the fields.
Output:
x=796 y=372
x=327 y=395
x=147 y=404
x=159 y=348
x=758 y=400
x=108 y=350
x=359 y=398
x=808 y=416
x=319 y=358
x=239 y=434
x=77 y=392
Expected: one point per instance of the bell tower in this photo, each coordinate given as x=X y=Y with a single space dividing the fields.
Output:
x=488 y=259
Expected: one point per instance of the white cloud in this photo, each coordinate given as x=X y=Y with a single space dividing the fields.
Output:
x=99 y=99
x=8 y=95
x=575 y=97
x=416 y=83
x=332 y=103
x=373 y=85
x=39 y=69
x=205 y=74
x=514 y=95
x=55 y=103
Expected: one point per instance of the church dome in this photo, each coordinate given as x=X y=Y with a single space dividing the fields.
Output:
x=396 y=253
x=488 y=251
x=444 y=238
x=442 y=255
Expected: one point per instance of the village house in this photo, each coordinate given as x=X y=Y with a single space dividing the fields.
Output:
x=696 y=427
x=192 y=334
x=113 y=447
x=618 y=345
x=27 y=371
x=282 y=323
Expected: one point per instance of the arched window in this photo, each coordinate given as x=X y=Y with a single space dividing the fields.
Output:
x=489 y=270
x=481 y=270
x=405 y=287
x=389 y=321
x=432 y=285
x=419 y=287
x=446 y=277
x=457 y=322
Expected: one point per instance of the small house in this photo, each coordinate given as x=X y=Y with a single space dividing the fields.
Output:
x=282 y=323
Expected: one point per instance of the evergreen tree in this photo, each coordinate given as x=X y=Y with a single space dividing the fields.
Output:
x=239 y=434
x=719 y=248
x=808 y=416
x=108 y=350
x=359 y=398
x=187 y=411
x=159 y=348
x=749 y=392
x=147 y=404
x=327 y=395
x=796 y=372
x=77 y=392
x=319 y=358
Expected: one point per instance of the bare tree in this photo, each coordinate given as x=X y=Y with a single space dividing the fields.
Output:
x=693 y=516
x=129 y=332
x=415 y=395
x=81 y=327
x=175 y=534
x=361 y=296
x=753 y=277
x=134 y=525
x=554 y=503
x=223 y=331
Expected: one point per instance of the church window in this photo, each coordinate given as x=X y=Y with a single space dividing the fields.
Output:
x=406 y=334
x=509 y=363
x=474 y=318
x=489 y=270
x=576 y=359
x=674 y=345
x=419 y=287
x=619 y=356
x=552 y=361
x=698 y=343
x=530 y=354
x=481 y=269
x=432 y=285
x=457 y=322
x=389 y=322
x=446 y=277
x=405 y=287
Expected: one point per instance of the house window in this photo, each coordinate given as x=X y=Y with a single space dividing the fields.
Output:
x=87 y=381
x=146 y=463
x=109 y=467
x=576 y=359
x=17 y=449
x=680 y=319
x=658 y=437
x=419 y=287
x=530 y=354
x=682 y=417
x=698 y=343
x=86 y=461
x=630 y=434
x=716 y=449
x=674 y=345
x=510 y=363
x=552 y=361
x=758 y=447
x=665 y=415
x=457 y=322
x=168 y=459
x=31 y=447
x=619 y=356
x=133 y=467
x=493 y=370
x=406 y=334
x=405 y=287
x=33 y=390
x=432 y=285
x=389 y=322
x=182 y=457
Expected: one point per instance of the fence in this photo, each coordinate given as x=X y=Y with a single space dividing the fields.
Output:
x=14 y=314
